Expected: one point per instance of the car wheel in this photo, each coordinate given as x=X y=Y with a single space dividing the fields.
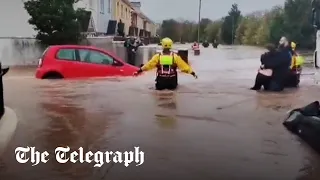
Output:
x=53 y=75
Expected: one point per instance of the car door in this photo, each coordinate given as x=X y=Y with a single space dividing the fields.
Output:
x=97 y=64
x=68 y=63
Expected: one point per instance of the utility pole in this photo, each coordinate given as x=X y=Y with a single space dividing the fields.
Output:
x=199 y=19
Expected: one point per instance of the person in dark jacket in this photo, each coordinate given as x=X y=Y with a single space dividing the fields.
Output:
x=261 y=78
x=132 y=48
x=285 y=47
x=280 y=65
x=119 y=29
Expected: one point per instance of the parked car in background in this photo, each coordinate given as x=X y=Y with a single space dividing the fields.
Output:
x=74 y=61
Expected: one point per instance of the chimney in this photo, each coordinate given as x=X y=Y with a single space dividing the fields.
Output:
x=136 y=4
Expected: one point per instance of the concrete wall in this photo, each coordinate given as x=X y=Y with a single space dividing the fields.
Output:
x=25 y=51
x=19 y=51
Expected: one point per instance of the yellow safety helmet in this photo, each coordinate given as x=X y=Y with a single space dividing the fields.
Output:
x=293 y=45
x=166 y=43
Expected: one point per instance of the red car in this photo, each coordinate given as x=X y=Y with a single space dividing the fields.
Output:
x=73 y=61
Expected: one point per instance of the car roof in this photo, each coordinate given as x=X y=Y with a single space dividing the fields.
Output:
x=75 y=46
x=57 y=47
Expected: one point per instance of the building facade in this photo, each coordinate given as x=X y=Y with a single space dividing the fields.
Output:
x=154 y=29
x=142 y=22
x=101 y=13
x=17 y=25
x=122 y=11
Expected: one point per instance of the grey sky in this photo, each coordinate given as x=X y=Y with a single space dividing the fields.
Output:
x=158 y=10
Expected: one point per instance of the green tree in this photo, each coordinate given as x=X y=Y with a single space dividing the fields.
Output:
x=241 y=29
x=297 y=21
x=83 y=18
x=293 y=20
x=276 y=27
x=212 y=30
x=203 y=25
x=315 y=4
x=252 y=26
x=182 y=30
x=194 y=33
x=55 y=21
x=230 y=24
x=188 y=28
x=262 y=34
x=169 y=29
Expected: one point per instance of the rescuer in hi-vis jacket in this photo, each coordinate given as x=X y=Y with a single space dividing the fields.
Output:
x=297 y=60
x=167 y=63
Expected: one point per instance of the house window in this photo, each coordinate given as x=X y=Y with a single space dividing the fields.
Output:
x=126 y=13
x=109 y=6
x=102 y=6
x=134 y=19
x=90 y=4
x=145 y=25
x=122 y=11
x=118 y=9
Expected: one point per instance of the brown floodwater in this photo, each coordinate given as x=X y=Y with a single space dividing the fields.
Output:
x=211 y=128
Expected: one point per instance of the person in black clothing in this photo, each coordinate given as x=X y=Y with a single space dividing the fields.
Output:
x=132 y=47
x=266 y=59
x=281 y=66
x=120 y=29
x=293 y=77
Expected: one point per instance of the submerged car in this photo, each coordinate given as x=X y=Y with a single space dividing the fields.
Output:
x=74 y=61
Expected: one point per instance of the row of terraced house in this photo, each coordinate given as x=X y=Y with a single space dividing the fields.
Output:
x=105 y=16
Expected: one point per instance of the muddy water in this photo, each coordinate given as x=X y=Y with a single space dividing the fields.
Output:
x=210 y=128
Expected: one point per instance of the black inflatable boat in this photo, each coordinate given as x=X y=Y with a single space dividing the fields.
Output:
x=305 y=122
x=205 y=44
x=215 y=45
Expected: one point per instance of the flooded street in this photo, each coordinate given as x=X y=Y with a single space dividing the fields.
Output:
x=211 y=128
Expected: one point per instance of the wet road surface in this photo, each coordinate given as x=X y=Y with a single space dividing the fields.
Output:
x=210 y=128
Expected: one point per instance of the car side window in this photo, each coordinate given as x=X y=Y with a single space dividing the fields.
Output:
x=67 y=54
x=84 y=56
x=95 y=57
